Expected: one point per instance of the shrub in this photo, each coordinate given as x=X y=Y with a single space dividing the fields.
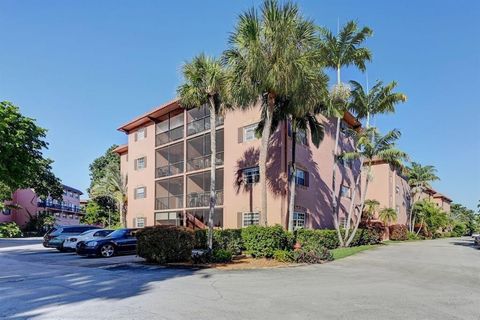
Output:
x=459 y=230
x=227 y=239
x=10 y=230
x=412 y=236
x=263 y=241
x=221 y=256
x=398 y=232
x=164 y=244
x=311 y=239
x=371 y=234
x=283 y=255
x=313 y=256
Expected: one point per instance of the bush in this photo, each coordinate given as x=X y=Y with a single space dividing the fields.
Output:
x=10 y=230
x=263 y=241
x=221 y=256
x=283 y=255
x=459 y=230
x=164 y=244
x=311 y=239
x=227 y=239
x=313 y=256
x=398 y=232
x=412 y=236
x=371 y=234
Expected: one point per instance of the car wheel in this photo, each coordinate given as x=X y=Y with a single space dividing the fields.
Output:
x=107 y=250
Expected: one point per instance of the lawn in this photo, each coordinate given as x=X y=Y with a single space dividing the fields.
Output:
x=340 y=253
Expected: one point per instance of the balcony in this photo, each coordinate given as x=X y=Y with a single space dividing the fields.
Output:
x=59 y=207
x=169 y=170
x=170 y=202
x=169 y=136
x=196 y=199
x=201 y=125
x=203 y=162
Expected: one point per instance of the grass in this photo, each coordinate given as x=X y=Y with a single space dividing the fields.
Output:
x=341 y=253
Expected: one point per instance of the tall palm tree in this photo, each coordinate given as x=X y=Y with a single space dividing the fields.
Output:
x=387 y=216
x=271 y=52
x=419 y=178
x=371 y=207
x=206 y=83
x=113 y=185
x=378 y=100
x=369 y=145
x=340 y=51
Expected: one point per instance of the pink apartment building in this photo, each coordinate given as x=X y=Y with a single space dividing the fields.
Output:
x=439 y=199
x=66 y=212
x=390 y=188
x=167 y=160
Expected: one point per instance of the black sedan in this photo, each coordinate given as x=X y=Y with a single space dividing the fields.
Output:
x=121 y=241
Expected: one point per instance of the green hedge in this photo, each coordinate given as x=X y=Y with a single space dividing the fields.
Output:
x=164 y=244
x=310 y=239
x=227 y=239
x=10 y=230
x=262 y=242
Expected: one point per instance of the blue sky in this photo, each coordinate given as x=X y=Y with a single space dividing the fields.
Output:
x=82 y=68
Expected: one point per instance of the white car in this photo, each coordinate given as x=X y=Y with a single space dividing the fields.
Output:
x=71 y=242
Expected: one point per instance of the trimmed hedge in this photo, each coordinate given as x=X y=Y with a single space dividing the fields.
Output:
x=310 y=239
x=227 y=239
x=262 y=242
x=312 y=256
x=164 y=244
x=398 y=232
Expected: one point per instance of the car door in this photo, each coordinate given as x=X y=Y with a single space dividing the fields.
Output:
x=130 y=241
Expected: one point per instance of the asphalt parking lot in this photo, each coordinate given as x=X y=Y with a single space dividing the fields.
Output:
x=434 y=279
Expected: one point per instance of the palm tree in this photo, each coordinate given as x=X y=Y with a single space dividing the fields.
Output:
x=271 y=53
x=114 y=186
x=369 y=146
x=341 y=51
x=205 y=83
x=387 y=215
x=380 y=99
x=371 y=207
x=419 y=178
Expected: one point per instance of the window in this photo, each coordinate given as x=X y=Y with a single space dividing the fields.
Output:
x=251 y=175
x=299 y=220
x=344 y=127
x=397 y=209
x=251 y=218
x=345 y=192
x=141 y=134
x=342 y=222
x=249 y=132
x=301 y=177
x=169 y=218
x=301 y=135
x=140 y=192
x=139 y=222
x=397 y=189
x=140 y=163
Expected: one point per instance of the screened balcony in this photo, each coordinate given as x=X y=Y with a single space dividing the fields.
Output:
x=198 y=120
x=169 y=194
x=198 y=189
x=169 y=160
x=198 y=218
x=199 y=152
x=169 y=128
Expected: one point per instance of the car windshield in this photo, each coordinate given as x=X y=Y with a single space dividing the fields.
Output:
x=52 y=230
x=87 y=232
x=117 y=233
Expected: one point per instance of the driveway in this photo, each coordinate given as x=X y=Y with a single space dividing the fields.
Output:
x=436 y=279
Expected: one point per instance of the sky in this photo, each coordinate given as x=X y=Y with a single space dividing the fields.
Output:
x=83 y=68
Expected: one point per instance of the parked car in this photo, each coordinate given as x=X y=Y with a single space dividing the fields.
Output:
x=56 y=236
x=93 y=234
x=118 y=242
x=477 y=240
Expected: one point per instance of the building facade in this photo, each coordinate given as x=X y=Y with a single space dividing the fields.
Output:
x=167 y=162
x=390 y=188
x=66 y=212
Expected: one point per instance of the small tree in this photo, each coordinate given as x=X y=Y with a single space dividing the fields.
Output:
x=371 y=208
x=387 y=216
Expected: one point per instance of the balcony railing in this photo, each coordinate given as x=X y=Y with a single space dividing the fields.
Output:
x=170 y=202
x=202 y=199
x=169 y=170
x=203 y=162
x=169 y=136
x=200 y=125
x=60 y=207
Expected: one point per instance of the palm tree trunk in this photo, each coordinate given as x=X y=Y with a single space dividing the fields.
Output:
x=263 y=156
x=291 y=206
x=123 y=216
x=362 y=203
x=358 y=180
x=213 y=159
x=334 y=172
x=419 y=229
